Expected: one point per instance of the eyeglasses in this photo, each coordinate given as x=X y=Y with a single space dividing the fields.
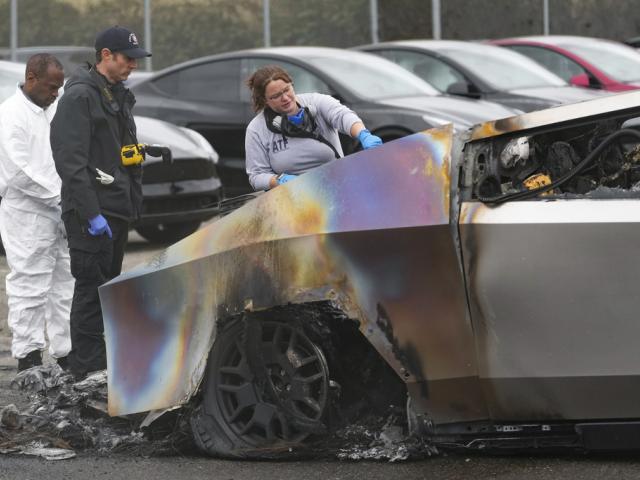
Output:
x=285 y=91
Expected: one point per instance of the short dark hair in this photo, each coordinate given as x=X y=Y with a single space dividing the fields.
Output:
x=99 y=55
x=39 y=63
x=258 y=82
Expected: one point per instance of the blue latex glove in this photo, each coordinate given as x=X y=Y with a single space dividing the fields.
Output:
x=98 y=226
x=367 y=140
x=297 y=118
x=285 y=177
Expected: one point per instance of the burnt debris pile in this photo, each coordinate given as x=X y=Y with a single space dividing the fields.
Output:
x=64 y=416
x=362 y=404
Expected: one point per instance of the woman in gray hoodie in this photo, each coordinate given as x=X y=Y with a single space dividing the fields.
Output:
x=292 y=134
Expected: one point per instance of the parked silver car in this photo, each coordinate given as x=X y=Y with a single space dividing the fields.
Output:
x=482 y=71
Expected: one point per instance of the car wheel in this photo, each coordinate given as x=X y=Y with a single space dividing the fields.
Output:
x=168 y=232
x=266 y=389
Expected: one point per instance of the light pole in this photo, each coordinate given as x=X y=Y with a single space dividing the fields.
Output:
x=266 y=20
x=545 y=17
x=373 y=4
x=14 y=30
x=435 y=19
x=147 y=32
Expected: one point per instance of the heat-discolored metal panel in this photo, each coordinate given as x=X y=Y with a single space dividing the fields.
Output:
x=554 y=301
x=369 y=232
x=557 y=115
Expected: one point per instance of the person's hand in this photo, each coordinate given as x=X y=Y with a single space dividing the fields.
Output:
x=285 y=177
x=367 y=140
x=98 y=225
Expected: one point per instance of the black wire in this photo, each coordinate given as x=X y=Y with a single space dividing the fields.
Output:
x=567 y=176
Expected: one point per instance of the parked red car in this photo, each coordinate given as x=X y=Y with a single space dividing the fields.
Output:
x=582 y=61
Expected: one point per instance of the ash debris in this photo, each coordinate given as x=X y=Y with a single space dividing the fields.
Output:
x=64 y=416
x=373 y=437
x=382 y=439
x=365 y=421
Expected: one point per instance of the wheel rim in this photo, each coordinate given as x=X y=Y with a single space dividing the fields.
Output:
x=281 y=396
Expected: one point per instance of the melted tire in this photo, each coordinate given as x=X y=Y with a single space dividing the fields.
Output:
x=210 y=438
x=261 y=404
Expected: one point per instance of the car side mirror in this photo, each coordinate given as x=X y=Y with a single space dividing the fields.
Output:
x=463 y=89
x=580 y=80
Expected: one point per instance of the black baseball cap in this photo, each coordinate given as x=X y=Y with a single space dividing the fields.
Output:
x=120 y=39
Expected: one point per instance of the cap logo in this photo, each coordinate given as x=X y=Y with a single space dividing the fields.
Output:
x=133 y=40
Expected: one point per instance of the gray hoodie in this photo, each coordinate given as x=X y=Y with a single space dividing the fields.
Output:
x=269 y=153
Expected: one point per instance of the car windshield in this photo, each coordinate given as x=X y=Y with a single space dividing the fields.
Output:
x=503 y=69
x=617 y=61
x=8 y=81
x=372 y=77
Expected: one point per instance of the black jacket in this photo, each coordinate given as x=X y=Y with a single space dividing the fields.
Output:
x=92 y=123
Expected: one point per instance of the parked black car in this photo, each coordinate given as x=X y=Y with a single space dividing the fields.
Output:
x=482 y=71
x=208 y=94
x=179 y=196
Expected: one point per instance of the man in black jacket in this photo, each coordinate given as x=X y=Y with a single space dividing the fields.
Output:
x=100 y=194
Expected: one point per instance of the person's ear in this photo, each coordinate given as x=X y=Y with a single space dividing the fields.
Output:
x=31 y=77
x=106 y=53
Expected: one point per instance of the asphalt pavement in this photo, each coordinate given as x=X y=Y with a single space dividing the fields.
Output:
x=443 y=466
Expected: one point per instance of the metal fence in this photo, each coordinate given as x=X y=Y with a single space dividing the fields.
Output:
x=177 y=30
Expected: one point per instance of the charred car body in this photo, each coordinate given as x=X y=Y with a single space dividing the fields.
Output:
x=487 y=277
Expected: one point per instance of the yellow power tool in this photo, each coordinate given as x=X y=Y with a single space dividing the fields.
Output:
x=134 y=154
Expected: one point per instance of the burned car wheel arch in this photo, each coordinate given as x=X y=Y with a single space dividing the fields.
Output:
x=288 y=375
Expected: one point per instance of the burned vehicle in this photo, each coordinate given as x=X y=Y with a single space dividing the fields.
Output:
x=482 y=281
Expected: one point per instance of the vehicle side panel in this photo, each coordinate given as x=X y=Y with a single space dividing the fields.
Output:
x=554 y=301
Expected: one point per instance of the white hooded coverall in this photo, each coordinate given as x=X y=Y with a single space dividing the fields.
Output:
x=39 y=284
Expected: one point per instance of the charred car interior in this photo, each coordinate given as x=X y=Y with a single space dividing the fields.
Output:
x=598 y=159
x=474 y=290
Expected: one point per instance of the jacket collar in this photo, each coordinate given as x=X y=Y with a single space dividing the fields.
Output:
x=106 y=91
x=35 y=108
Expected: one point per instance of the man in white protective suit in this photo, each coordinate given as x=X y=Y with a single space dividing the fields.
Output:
x=39 y=284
